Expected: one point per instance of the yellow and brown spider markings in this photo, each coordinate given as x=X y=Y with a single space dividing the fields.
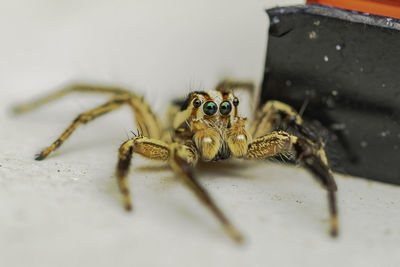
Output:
x=74 y=88
x=149 y=148
x=219 y=136
x=228 y=85
x=146 y=120
x=314 y=160
x=179 y=163
x=307 y=154
x=207 y=139
x=181 y=159
x=237 y=137
x=271 y=115
x=205 y=125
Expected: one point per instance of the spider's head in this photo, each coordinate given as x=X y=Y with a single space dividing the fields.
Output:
x=217 y=108
x=212 y=118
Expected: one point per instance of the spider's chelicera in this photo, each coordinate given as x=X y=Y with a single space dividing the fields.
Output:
x=205 y=126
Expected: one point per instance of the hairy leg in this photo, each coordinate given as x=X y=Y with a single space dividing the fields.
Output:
x=271 y=115
x=74 y=88
x=181 y=159
x=149 y=148
x=146 y=120
x=229 y=85
x=307 y=154
x=83 y=118
x=179 y=163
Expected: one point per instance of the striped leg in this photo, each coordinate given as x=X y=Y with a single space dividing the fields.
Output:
x=271 y=116
x=181 y=159
x=229 y=85
x=146 y=120
x=281 y=142
x=182 y=166
x=74 y=88
x=83 y=118
x=149 y=148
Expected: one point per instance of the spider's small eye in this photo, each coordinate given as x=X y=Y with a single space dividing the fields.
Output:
x=235 y=101
x=225 y=108
x=196 y=103
x=210 y=108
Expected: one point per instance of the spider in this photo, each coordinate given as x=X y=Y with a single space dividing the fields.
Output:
x=204 y=126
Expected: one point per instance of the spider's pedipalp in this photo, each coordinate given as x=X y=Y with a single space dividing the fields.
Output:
x=206 y=139
x=238 y=138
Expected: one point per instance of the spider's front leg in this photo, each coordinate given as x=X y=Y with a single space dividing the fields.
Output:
x=309 y=156
x=181 y=158
x=149 y=148
x=180 y=162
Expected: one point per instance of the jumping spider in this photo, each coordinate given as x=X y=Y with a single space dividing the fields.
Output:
x=204 y=126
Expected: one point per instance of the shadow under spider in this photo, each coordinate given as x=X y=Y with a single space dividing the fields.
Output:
x=220 y=168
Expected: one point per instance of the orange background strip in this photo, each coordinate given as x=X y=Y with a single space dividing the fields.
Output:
x=389 y=8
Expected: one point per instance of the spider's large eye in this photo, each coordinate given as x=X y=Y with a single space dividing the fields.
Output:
x=225 y=108
x=196 y=103
x=210 y=108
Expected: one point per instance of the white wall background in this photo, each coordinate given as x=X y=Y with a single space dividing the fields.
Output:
x=161 y=46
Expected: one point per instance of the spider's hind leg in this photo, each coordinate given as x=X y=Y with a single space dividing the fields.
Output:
x=229 y=85
x=307 y=154
x=74 y=88
x=275 y=114
x=83 y=118
x=146 y=120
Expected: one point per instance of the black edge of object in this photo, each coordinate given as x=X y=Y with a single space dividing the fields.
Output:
x=345 y=67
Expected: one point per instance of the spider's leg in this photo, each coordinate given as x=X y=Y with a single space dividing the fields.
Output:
x=74 y=88
x=180 y=162
x=83 y=118
x=309 y=156
x=181 y=159
x=149 y=148
x=229 y=85
x=145 y=118
x=272 y=115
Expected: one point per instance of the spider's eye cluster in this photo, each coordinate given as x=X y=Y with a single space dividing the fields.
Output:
x=210 y=108
x=235 y=101
x=196 y=103
x=225 y=108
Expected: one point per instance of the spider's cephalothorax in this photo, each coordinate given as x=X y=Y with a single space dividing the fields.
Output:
x=204 y=126
x=210 y=120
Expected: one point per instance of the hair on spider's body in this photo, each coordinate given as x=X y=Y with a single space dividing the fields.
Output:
x=206 y=126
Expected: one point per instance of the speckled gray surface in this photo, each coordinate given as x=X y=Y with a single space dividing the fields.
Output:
x=66 y=210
